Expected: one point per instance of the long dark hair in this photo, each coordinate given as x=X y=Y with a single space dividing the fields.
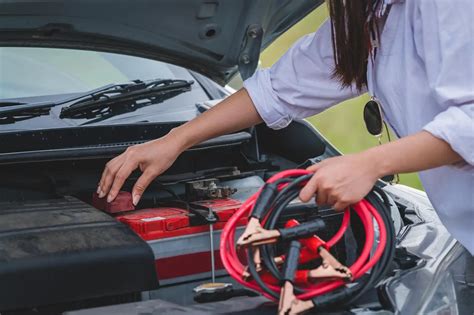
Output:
x=351 y=25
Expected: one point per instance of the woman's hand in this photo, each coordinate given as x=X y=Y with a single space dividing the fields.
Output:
x=235 y=113
x=344 y=180
x=341 y=181
x=153 y=158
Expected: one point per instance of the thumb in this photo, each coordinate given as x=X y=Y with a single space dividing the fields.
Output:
x=140 y=186
x=313 y=168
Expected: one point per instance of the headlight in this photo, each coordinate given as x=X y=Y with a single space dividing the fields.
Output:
x=443 y=300
x=437 y=286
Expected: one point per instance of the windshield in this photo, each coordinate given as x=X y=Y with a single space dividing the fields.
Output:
x=36 y=75
x=27 y=72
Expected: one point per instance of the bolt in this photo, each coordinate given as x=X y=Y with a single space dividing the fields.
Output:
x=253 y=33
x=245 y=59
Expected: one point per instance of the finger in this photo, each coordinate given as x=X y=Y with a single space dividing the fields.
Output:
x=309 y=189
x=313 y=168
x=140 y=186
x=108 y=175
x=331 y=201
x=339 y=206
x=321 y=197
x=120 y=177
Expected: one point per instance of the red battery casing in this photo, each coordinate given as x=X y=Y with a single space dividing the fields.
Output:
x=122 y=203
x=182 y=251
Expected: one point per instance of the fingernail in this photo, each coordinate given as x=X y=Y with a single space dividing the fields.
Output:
x=135 y=199
x=98 y=190
x=109 y=199
x=101 y=194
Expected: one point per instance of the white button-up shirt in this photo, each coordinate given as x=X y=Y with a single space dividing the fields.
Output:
x=423 y=74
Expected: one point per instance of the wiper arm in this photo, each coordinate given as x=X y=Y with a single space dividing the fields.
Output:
x=130 y=98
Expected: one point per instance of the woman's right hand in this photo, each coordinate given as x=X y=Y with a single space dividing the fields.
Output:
x=235 y=113
x=153 y=158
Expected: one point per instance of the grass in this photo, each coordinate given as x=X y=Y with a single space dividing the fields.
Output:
x=342 y=125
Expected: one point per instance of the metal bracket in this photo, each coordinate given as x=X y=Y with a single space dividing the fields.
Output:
x=207 y=189
x=250 y=54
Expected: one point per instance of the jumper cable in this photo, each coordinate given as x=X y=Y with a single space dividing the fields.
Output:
x=296 y=288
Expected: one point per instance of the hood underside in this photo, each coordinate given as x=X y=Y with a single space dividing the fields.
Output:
x=213 y=37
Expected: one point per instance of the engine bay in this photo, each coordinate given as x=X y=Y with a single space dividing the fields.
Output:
x=54 y=229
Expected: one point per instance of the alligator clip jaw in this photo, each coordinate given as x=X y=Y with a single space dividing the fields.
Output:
x=287 y=297
x=290 y=304
x=250 y=229
x=330 y=261
x=255 y=234
x=330 y=268
x=246 y=276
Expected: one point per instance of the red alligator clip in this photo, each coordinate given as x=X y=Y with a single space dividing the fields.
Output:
x=310 y=249
x=314 y=247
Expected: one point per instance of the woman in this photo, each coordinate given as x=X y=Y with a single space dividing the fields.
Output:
x=415 y=57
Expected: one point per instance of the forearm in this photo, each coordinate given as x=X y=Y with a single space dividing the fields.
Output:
x=235 y=113
x=414 y=153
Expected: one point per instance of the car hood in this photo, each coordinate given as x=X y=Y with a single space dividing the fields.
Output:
x=214 y=37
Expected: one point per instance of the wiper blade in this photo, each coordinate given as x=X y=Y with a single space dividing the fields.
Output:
x=11 y=112
x=10 y=103
x=11 y=117
x=126 y=99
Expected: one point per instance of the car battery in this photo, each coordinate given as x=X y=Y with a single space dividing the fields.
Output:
x=180 y=240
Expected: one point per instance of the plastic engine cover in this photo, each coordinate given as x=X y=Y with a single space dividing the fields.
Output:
x=63 y=250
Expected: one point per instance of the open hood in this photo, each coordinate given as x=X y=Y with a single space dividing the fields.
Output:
x=213 y=37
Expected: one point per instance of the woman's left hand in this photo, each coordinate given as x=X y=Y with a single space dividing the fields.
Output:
x=341 y=181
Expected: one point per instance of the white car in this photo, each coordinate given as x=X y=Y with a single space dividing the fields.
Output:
x=80 y=81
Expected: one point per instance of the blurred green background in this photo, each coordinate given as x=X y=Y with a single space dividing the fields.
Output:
x=342 y=125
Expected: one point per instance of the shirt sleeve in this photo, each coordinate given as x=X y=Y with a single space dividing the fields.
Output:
x=300 y=84
x=444 y=38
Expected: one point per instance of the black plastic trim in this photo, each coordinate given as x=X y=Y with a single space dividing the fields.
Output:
x=63 y=250
x=92 y=142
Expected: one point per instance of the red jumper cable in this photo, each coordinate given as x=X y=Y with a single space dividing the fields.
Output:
x=330 y=276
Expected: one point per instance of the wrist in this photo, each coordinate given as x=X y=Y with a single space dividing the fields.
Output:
x=177 y=140
x=378 y=163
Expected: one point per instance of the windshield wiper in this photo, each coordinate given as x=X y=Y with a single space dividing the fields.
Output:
x=11 y=112
x=128 y=99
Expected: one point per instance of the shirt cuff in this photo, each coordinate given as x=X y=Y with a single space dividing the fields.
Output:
x=259 y=88
x=455 y=126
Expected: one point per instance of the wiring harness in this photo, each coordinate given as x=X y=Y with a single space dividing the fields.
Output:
x=282 y=277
